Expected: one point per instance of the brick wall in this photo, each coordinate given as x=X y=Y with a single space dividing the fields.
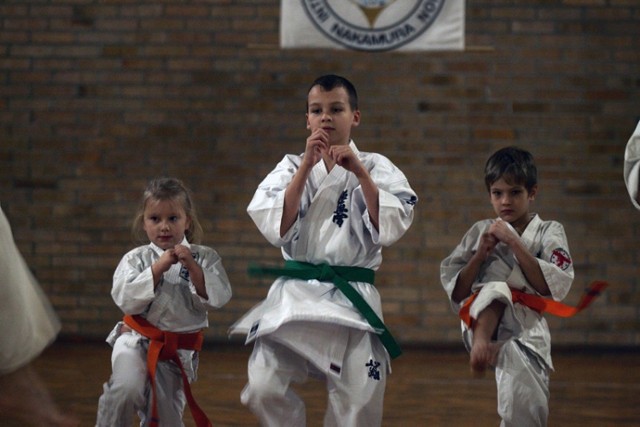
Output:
x=97 y=97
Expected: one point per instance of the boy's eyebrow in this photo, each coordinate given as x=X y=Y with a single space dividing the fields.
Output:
x=510 y=187
x=331 y=103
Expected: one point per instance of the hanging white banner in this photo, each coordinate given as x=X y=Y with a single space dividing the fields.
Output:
x=373 y=25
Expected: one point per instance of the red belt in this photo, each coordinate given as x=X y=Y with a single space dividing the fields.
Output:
x=164 y=346
x=541 y=304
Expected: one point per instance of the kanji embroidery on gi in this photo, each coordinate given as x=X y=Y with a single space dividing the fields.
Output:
x=340 y=213
x=184 y=273
x=412 y=201
x=374 y=372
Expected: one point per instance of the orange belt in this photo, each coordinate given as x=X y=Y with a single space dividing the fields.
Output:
x=164 y=346
x=541 y=304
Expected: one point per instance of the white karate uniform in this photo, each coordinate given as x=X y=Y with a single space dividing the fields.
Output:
x=173 y=306
x=28 y=321
x=310 y=327
x=632 y=167
x=524 y=360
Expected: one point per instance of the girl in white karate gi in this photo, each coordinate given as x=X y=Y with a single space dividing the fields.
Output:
x=334 y=206
x=167 y=285
x=632 y=167
x=497 y=259
x=29 y=325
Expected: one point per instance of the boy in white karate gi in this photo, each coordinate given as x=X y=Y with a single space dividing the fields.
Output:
x=330 y=210
x=632 y=167
x=497 y=260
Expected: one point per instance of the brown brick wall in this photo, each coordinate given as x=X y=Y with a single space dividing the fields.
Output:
x=96 y=97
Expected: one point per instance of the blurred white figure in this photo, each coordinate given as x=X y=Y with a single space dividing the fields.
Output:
x=29 y=325
x=632 y=167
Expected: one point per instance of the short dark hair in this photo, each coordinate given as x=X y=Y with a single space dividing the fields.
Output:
x=514 y=165
x=331 y=81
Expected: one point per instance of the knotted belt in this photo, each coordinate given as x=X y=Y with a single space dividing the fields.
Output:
x=541 y=304
x=164 y=346
x=340 y=276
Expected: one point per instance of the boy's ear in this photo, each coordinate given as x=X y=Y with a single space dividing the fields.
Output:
x=533 y=192
x=308 y=124
x=356 y=118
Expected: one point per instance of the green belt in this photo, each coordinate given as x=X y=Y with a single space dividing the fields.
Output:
x=340 y=276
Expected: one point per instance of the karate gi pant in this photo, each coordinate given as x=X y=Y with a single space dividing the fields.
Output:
x=355 y=396
x=129 y=388
x=522 y=378
x=523 y=387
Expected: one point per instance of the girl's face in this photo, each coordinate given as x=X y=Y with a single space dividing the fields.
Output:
x=165 y=222
x=511 y=202
x=330 y=111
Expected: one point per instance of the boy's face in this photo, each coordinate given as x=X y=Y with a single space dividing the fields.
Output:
x=330 y=111
x=165 y=223
x=511 y=202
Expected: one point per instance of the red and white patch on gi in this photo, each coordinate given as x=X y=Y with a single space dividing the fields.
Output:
x=561 y=258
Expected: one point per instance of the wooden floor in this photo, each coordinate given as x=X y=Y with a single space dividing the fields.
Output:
x=426 y=388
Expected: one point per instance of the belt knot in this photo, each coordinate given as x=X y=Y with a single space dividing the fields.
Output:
x=327 y=273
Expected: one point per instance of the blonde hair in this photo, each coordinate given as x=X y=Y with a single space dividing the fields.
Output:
x=168 y=189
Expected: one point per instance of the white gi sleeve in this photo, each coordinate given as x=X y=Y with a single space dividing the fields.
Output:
x=133 y=287
x=451 y=266
x=215 y=278
x=555 y=260
x=267 y=205
x=632 y=167
x=396 y=201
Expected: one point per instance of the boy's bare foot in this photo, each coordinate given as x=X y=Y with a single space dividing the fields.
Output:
x=484 y=354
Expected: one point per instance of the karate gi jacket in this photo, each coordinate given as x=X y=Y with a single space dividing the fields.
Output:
x=173 y=305
x=547 y=241
x=333 y=227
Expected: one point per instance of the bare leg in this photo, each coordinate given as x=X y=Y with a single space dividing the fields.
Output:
x=23 y=396
x=484 y=351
